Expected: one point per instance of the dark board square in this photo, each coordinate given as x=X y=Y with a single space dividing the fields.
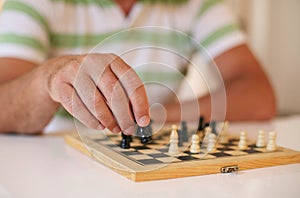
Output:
x=252 y=146
x=163 y=150
x=112 y=145
x=131 y=153
x=228 y=144
x=142 y=147
x=149 y=161
x=225 y=149
x=158 y=155
x=234 y=140
x=186 y=158
x=220 y=154
x=250 y=151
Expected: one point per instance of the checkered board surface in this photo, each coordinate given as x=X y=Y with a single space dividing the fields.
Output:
x=156 y=152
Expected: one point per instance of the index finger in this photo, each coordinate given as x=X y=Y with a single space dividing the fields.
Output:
x=134 y=88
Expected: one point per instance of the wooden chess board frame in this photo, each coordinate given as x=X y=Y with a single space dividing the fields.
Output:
x=139 y=172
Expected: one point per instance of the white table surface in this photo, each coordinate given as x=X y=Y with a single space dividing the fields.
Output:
x=44 y=166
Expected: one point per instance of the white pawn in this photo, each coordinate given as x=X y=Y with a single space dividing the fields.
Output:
x=173 y=148
x=195 y=147
x=271 y=146
x=211 y=143
x=261 y=139
x=224 y=133
x=243 y=140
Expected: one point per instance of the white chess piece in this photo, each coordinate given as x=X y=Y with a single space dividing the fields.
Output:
x=224 y=132
x=207 y=131
x=195 y=147
x=261 y=139
x=271 y=146
x=173 y=148
x=243 y=140
x=211 y=143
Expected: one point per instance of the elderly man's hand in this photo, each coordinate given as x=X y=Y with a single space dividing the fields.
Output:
x=100 y=90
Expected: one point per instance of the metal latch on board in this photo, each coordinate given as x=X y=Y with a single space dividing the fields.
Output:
x=229 y=169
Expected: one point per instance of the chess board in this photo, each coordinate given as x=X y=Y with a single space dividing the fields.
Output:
x=152 y=161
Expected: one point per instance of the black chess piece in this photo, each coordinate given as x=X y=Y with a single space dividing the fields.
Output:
x=180 y=137
x=125 y=142
x=183 y=132
x=130 y=138
x=144 y=134
x=150 y=127
x=213 y=125
x=201 y=124
x=206 y=125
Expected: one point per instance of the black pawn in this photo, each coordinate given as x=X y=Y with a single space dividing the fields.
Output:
x=184 y=132
x=125 y=142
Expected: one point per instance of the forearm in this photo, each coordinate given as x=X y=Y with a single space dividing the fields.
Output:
x=26 y=106
x=249 y=95
x=247 y=98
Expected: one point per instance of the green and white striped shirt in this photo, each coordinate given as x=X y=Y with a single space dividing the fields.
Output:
x=36 y=30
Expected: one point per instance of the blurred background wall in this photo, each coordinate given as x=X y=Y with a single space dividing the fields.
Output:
x=273 y=28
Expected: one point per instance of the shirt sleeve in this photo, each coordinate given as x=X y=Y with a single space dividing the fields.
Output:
x=216 y=29
x=24 y=30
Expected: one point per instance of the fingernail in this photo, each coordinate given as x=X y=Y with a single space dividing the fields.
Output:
x=144 y=121
x=116 y=129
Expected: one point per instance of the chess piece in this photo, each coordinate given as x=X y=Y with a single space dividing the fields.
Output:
x=207 y=131
x=271 y=146
x=201 y=124
x=195 y=147
x=213 y=125
x=144 y=134
x=243 y=141
x=224 y=132
x=211 y=146
x=261 y=139
x=173 y=148
x=180 y=137
x=125 y=142
x=184 y=131
x=150 y=127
